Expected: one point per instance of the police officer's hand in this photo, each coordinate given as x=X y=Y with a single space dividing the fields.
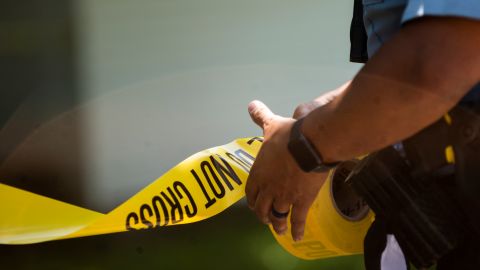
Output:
x=305 y=108
x=276 y=185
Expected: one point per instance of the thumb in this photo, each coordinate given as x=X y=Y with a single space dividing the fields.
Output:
x=260 y=113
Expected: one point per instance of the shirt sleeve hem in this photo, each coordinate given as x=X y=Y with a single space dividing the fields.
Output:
x=421 y=8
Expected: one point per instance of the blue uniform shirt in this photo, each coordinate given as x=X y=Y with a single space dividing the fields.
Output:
x=383 y=18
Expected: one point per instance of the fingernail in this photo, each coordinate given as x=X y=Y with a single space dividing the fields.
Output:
x=298 y=238
x=267 y=221
x=281 y=231
x=251 y=106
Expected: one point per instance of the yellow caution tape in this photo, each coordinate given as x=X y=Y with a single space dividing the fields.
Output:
x=199 y=187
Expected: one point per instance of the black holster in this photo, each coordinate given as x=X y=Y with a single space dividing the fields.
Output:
x=426 y=190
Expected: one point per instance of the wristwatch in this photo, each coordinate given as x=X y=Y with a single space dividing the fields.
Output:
x=304 y=152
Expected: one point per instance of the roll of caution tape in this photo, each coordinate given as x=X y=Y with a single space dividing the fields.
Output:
x=199 y=187
x=336 y=223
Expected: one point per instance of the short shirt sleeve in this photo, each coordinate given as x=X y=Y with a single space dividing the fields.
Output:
x=457 y=8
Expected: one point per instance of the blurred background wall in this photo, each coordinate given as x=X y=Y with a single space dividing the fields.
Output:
x=192 y=67
x=101 y=97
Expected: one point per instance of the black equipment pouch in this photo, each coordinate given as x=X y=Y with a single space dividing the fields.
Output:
x=427 y=190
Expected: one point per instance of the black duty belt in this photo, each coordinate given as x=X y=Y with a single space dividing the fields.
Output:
x=427 y=189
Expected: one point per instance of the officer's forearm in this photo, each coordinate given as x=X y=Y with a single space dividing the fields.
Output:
x=410 y=83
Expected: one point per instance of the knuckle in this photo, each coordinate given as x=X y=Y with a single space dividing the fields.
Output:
x=259 y=210
x=288 y=196
x=259 y=112
x=265 y=188
x=301 y=106
x=301 y=109
x=298 y=223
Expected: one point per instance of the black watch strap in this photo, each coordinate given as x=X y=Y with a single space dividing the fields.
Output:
x=304 y=152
